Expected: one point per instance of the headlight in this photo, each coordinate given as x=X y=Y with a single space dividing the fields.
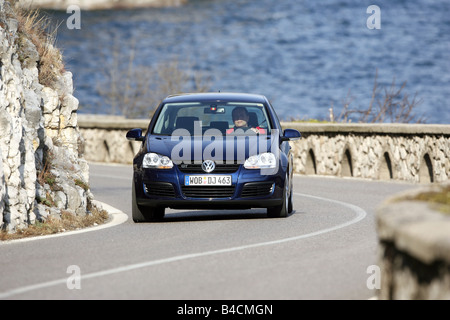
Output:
x=261 y=161
x=156 y=161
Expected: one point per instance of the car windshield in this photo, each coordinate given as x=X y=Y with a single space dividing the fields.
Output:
x=214 y=118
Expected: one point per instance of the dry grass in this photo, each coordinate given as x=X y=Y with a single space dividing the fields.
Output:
x=439 y=200
x=39 y=29
x=53 y=225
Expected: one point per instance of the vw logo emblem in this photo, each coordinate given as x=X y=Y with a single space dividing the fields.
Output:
x=208 y=166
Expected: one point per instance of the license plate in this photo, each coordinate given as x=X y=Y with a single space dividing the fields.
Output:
x=207 y=180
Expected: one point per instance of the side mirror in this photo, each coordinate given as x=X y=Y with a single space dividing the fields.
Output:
x=290 y=135
x=135 y=135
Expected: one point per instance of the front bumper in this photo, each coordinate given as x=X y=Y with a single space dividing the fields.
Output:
x=249 y=189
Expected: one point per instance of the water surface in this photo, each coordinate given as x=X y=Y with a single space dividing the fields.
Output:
x=304 y=56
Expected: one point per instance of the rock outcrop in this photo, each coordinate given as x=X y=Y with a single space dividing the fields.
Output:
x=42 y=170
x=414 y=245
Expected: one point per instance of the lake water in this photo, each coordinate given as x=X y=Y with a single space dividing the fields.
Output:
x=304 y=56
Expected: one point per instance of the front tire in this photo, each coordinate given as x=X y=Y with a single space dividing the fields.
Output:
x=282 y=210
x=290 y=206
x=142 y=213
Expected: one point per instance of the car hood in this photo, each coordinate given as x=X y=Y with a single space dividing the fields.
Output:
x=229 y=148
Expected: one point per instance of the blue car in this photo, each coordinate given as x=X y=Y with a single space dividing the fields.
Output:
x=212 y=151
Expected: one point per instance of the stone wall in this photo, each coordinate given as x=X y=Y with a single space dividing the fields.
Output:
x=105 y=138
x=415 y=153
x=408 y=152
x=41 y=167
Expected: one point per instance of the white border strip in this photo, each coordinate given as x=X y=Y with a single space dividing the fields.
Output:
x=116 y=217
x=360 y=214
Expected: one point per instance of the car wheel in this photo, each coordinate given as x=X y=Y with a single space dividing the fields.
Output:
x=144 y=214
x=281 y=211
x=290 y=206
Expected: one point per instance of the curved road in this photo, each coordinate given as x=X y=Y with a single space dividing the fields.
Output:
x=322 y=251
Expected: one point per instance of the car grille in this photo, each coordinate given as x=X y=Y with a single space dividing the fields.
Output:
x=208 y=191
x=160 y=189
x=197 y=168
x=257 y=189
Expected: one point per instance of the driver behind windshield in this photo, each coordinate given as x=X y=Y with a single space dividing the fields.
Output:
x=240 y=118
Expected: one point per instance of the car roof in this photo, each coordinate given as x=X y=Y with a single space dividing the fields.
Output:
x=216 y=96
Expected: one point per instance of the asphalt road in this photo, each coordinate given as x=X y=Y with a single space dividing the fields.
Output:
x=322 y=251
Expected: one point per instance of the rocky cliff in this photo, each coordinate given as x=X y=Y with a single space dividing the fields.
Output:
x=42 y=170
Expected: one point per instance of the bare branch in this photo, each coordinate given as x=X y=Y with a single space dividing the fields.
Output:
x=393 y=106
x=135 y=90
